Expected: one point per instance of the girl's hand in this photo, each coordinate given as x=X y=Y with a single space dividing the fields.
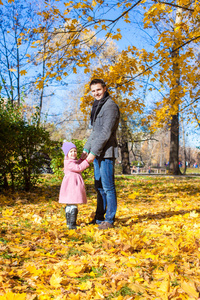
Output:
x=84 y=155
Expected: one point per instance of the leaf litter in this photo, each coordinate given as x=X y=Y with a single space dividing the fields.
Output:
x=152 y=253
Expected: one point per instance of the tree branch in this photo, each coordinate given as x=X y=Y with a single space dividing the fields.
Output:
x=174 y=5
x=149 y=68
x=189 y=104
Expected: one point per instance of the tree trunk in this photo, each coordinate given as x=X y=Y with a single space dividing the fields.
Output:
x=43 y=85
x=5 y=182
x=8 y=92
x=18 y=66
x=124 y=147
x=184 y=148
x=125 y=158
x=174 y=130
x=174 y=146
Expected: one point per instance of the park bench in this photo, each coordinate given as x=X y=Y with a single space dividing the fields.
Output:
x=158 y=170
x=153 y=171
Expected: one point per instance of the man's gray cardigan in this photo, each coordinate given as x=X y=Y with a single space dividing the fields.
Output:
x=103 y=141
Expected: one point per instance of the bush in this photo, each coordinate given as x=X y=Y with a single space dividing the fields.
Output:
x=57 y=160
x=138 y=163
x=24 y=147
x=89 y=172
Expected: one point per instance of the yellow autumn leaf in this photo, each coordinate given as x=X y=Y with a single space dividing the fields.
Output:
x=86 y=70
x=55 y=280
x=90 y=19
x=88 y=247
x=7 y=212
x=12 y=70
x=166 y=228
x=127 y=21
x=133 y=195
x=171 y=268
x=117 y=36
x=165 y=285
x=1 y=3
x=190 y=289
x=40 y=85
x=33 y=270
x=37 y=219
x=138 y=288
x=75 y=70
x=72 y=296
x=13 y=296
x=85 y=285
x=177 y=27
x=73 y=272
x=23 y=72
x=128 y=4
x=194 y=214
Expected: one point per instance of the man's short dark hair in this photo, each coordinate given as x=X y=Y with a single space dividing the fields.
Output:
x=96 y=81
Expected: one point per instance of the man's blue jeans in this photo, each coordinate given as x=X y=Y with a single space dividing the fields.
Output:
x=105 y=187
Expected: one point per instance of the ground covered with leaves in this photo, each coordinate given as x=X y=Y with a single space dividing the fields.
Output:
x=152 y=253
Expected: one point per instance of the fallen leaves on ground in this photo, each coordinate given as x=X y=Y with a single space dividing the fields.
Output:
x=152 y=253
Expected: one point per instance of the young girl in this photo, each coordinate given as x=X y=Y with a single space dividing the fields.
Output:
x=72 y=190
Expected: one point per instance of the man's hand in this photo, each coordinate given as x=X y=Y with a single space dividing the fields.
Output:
x=84 y=155
x=90 y=158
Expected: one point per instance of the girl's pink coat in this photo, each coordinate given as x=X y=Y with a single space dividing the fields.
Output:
x=72 y=190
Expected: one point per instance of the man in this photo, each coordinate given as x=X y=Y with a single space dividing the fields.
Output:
x=101 y=148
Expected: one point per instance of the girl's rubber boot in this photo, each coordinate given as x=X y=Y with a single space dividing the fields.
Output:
x=68 y=218
x=73 y=218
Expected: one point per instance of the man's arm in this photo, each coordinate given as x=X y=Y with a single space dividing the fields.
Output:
x=87 y=145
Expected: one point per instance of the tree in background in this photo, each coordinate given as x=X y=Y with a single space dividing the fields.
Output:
x=15 y=23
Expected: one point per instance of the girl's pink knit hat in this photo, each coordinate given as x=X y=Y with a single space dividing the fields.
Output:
x=67 y=146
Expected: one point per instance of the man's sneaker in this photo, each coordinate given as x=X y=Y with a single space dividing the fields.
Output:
x=105 y=225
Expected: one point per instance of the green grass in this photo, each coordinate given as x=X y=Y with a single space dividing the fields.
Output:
x=191 y=170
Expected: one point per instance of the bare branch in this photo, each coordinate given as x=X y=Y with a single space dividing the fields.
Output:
x=189 y=104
